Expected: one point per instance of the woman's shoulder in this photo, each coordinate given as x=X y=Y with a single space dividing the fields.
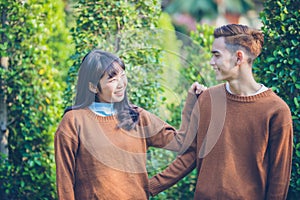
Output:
x=142 y=111
x=136 y=108
x=146 y=117
x=71 y=114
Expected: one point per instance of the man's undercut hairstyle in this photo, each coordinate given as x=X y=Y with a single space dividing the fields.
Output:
x=237 y=36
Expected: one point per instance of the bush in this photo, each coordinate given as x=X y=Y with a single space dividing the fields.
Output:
x=194 y=57
x=31 y=36
x=278 y=67
x=123 y=28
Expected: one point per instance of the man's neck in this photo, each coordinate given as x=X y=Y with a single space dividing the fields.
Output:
x=244 y=88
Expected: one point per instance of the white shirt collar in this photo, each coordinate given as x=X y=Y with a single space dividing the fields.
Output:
x=262 y=89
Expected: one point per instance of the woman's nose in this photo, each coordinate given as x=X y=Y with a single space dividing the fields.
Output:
x=121 y=83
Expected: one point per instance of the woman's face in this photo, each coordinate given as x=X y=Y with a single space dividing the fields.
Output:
x=113 y=88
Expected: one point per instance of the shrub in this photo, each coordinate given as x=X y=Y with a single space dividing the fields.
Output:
x=123 y=28
x=195 y=56
x=278 y=67
x=31 y=35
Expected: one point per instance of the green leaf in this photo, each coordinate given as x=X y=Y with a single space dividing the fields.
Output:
x=296 y=102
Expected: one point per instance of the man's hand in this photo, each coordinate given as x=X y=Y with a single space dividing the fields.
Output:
x=197 y=88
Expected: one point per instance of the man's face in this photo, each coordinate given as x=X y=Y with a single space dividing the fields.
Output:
x=223 y=61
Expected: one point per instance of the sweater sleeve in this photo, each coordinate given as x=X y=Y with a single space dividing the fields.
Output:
x=280 y=156
x=184 y=163
x=66 y=144
x=178 y=169
x=168 y=137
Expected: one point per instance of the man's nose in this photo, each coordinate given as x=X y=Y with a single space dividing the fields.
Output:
x=211 y=62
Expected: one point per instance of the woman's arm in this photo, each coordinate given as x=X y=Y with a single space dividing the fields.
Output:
x=178 y=169
x=66 y=144
x=167 y=137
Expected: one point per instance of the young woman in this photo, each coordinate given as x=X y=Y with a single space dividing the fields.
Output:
x=101 y=142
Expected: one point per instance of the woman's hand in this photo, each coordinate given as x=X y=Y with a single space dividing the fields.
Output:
x=197 y=88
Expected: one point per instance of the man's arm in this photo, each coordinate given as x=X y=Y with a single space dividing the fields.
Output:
x=280 y=157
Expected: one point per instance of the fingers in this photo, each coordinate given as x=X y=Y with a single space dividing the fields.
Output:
x=197 y=88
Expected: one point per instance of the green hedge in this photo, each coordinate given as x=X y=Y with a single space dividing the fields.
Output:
x=194 y=66
x=33 y=35
x=37 y=43
x=278 y=67
x=120 y=27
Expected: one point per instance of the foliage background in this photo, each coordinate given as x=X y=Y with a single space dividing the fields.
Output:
x=46 y=40
x=279 y=67
x=32 y=35
x=117 y=26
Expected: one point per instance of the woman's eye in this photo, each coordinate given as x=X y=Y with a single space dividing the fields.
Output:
x=112 y=80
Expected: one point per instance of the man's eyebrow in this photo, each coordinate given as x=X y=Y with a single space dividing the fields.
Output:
x=214 y=51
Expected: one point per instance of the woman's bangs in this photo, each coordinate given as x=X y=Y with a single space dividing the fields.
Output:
x=115 y=68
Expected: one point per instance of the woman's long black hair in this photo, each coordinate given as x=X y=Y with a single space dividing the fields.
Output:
x=93 y=67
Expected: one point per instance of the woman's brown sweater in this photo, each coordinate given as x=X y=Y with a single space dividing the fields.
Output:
x=97 y=160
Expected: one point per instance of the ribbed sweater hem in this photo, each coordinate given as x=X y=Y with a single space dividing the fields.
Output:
x=251 y=98
x=100 y=118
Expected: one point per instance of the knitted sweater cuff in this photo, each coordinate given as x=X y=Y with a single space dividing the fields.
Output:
x=154 y=186
x=191 y=99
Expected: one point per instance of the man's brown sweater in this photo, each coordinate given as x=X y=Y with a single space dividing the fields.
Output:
x=96 y=160
x=250 y=158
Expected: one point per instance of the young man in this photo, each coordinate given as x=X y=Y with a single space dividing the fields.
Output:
x=241 y=131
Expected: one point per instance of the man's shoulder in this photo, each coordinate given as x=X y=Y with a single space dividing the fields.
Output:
x=279 y=103
x=280 y=111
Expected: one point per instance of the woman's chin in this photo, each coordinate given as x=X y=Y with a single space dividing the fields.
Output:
x=118 y=98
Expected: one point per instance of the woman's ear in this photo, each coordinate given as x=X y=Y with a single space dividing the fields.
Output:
x=93 y=88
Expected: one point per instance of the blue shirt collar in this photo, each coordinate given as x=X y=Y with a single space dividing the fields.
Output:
x=102 y=109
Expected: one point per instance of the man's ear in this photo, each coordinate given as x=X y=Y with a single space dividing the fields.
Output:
x=93 y=88
x=239 y=57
